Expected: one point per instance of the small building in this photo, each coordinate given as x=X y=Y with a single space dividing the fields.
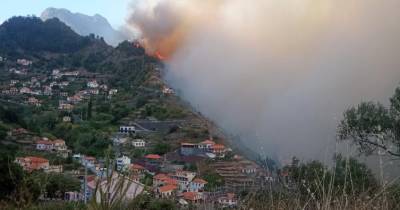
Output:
x=34 y=101
x=159 y=180
x=24 y=62
x=19 y=132
x=77 y=157
x=127 y=129
x=89 y=160
x=139 y=143
x=13 y=91
x=152 y=157
x=93 y=84
x=94 y=91
x=14 y=82
x=219 y=150
x=193 y=197
x=59 y=145
x=206 y=145
x=67 y=119
x=163 y=179
x=74 y=99
x=197 y=185
x=25 y=90
x=168 y=91
x=123 y=163
x=249 y=169
x=44 y=145
x=73 y=196
x=104 y=87
x=188 y=149
x=112 y=92
x=183 y=178
x=167 y=191
x=31 y=163
x=228 y=200
x=65 y=106
x=47 y=91
x=137 y=169
x=55 y=72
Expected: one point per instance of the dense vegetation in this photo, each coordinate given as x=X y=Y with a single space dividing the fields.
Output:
x=32 y=34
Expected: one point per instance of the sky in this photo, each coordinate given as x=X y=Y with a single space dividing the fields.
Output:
x=115 y=11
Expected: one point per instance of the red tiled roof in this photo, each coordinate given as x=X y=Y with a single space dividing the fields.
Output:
x=201 y=181
x=218 y=146
x=160 y=177
x=44 y=142
x=59 y=141
x=190 y=196
x=207 y=142
x=170 y=181
x=90 y=178
x=36 y=160
x=167 y=188
x=136 y=167
x=152 y=156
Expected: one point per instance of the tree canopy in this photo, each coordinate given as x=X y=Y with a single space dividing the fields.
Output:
x=373 y=127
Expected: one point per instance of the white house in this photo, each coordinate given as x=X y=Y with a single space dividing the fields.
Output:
x=206 y=145
x=197 y=185
x=24 y=62
x=127 y=129
x=184 y=178
x=44 y=145
x=59 y=145
x=167 y=191
x=113 y=91
x=94 y=91
x=93 y=84
x=67 y=119
x=123 y=163
x=138 y=143
x=25 y=90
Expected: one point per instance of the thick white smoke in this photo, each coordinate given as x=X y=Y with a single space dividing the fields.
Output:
x=277 y=72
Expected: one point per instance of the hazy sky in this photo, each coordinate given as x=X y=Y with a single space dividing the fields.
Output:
x=115 y=10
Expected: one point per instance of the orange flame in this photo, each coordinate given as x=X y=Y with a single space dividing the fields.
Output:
x=160 y=56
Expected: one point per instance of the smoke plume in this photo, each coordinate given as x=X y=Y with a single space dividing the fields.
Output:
x=279 y=73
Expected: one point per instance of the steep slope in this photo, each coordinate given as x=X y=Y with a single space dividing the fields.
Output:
x=85 y=25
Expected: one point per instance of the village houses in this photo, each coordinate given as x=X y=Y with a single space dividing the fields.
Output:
x=138 y=143
x=31 y=163
x=92 y=84
x=123 y=163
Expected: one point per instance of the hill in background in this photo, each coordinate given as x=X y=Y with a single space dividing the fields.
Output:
x=85 y=24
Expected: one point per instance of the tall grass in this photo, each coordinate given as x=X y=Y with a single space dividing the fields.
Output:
x=323 y=192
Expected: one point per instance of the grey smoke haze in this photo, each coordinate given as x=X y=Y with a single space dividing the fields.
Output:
x=279 y=73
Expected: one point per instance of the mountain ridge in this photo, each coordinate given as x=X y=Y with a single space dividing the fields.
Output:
x=85 y=25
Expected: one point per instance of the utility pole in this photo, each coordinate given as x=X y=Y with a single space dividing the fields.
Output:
x=85 y=183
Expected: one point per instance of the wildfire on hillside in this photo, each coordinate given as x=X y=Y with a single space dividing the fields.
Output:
x=159 y=55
